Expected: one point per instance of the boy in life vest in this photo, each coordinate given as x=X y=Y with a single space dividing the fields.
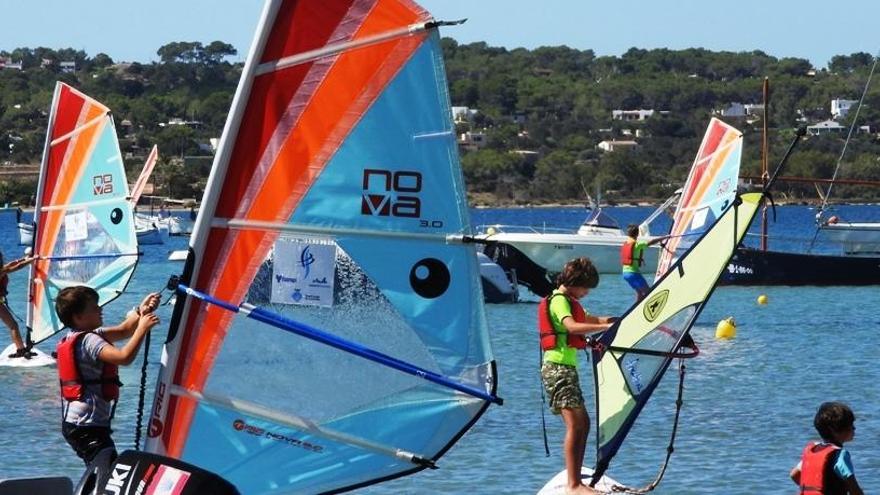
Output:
x=563 y=324
x=826 y=467
x=21 y=351
x=88 y=370
x=632 y=257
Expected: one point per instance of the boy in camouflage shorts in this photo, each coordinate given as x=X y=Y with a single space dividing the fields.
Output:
x=570 y=322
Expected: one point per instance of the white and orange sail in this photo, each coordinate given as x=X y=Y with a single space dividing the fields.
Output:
x=340 y=152
x=138 y=187
x=710 y=188
x=84 y=232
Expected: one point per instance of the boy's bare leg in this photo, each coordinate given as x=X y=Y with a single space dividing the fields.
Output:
x=576 y=429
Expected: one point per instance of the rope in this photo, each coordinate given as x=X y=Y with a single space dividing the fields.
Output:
x=848 y=136
x=669 y=449
x=852 y=126
x=142 y=394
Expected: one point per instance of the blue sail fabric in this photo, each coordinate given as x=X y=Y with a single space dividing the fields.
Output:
x=382 y=186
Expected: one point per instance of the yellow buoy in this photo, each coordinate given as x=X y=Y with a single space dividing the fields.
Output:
x=762 y=299
x=490 y=231
x=726 y=329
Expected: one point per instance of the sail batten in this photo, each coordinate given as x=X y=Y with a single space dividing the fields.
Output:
x=303 y=424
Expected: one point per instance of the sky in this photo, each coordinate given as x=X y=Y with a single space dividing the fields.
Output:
x=129 y=30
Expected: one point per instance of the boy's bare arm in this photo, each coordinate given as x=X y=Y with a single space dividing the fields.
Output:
x=126 y=354
x=583 y=328
x=126 y=328
x=852 y=486
x=795 y=475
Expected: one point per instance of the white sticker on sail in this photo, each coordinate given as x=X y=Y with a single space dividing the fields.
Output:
x=76 y=226
x=303 y=272
x=699 y=218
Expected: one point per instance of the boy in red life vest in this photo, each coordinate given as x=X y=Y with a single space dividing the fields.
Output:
x=632 y=257
x=563 y=324
x=87 y=368
x=826 y=467
x=5 y=313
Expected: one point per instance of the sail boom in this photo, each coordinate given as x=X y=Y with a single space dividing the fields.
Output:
x=243 y=224
x=87 y=256
x=315 y=334
x=298 y=423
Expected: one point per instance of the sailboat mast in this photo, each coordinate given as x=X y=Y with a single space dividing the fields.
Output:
x=765 y=175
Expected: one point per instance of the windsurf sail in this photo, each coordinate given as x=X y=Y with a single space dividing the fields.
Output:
x=84 y=231
x=330 y=332
x=636 y=352
x=709 y=189
x=138 y=188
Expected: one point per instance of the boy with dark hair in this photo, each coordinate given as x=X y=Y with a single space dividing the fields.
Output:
x=826 y=467
x=563 y=324
x=88 y=370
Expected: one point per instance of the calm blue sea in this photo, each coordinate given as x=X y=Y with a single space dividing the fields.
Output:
x=748 y=407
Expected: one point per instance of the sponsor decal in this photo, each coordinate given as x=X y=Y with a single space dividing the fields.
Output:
x=654 y=305
x=740 y=269
x=117 y=478
x=285 y=279
x=242 y=426
x=102 y=184
x=635 y=376
x=723 y=188
x=156 y=426
x=391 y=193
x=169 y=481
x=305 y=260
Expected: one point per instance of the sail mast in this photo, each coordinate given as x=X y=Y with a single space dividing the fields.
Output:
x=765 y=150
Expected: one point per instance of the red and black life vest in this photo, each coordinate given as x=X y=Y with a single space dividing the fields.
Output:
x=627 y=252
x=817 y=470
x=72 y=383
x=545 y=324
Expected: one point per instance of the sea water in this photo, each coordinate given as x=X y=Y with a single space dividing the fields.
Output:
x=748 y=402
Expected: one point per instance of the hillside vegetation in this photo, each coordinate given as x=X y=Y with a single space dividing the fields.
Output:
x=542 y=113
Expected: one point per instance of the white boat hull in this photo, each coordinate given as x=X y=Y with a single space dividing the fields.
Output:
x=552 y=251
x=497 y=286
x=856 y=238
x=25 y=234
x=149 y=235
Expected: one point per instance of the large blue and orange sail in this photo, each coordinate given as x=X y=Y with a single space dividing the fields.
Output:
x=709 y=189
x=84 y=233
x=339 y=152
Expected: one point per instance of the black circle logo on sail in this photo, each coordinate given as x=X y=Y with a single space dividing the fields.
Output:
x=429 y=278
x=116 y=216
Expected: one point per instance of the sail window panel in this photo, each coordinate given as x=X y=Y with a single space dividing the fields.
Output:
x=640 y=370
x=302 y=367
